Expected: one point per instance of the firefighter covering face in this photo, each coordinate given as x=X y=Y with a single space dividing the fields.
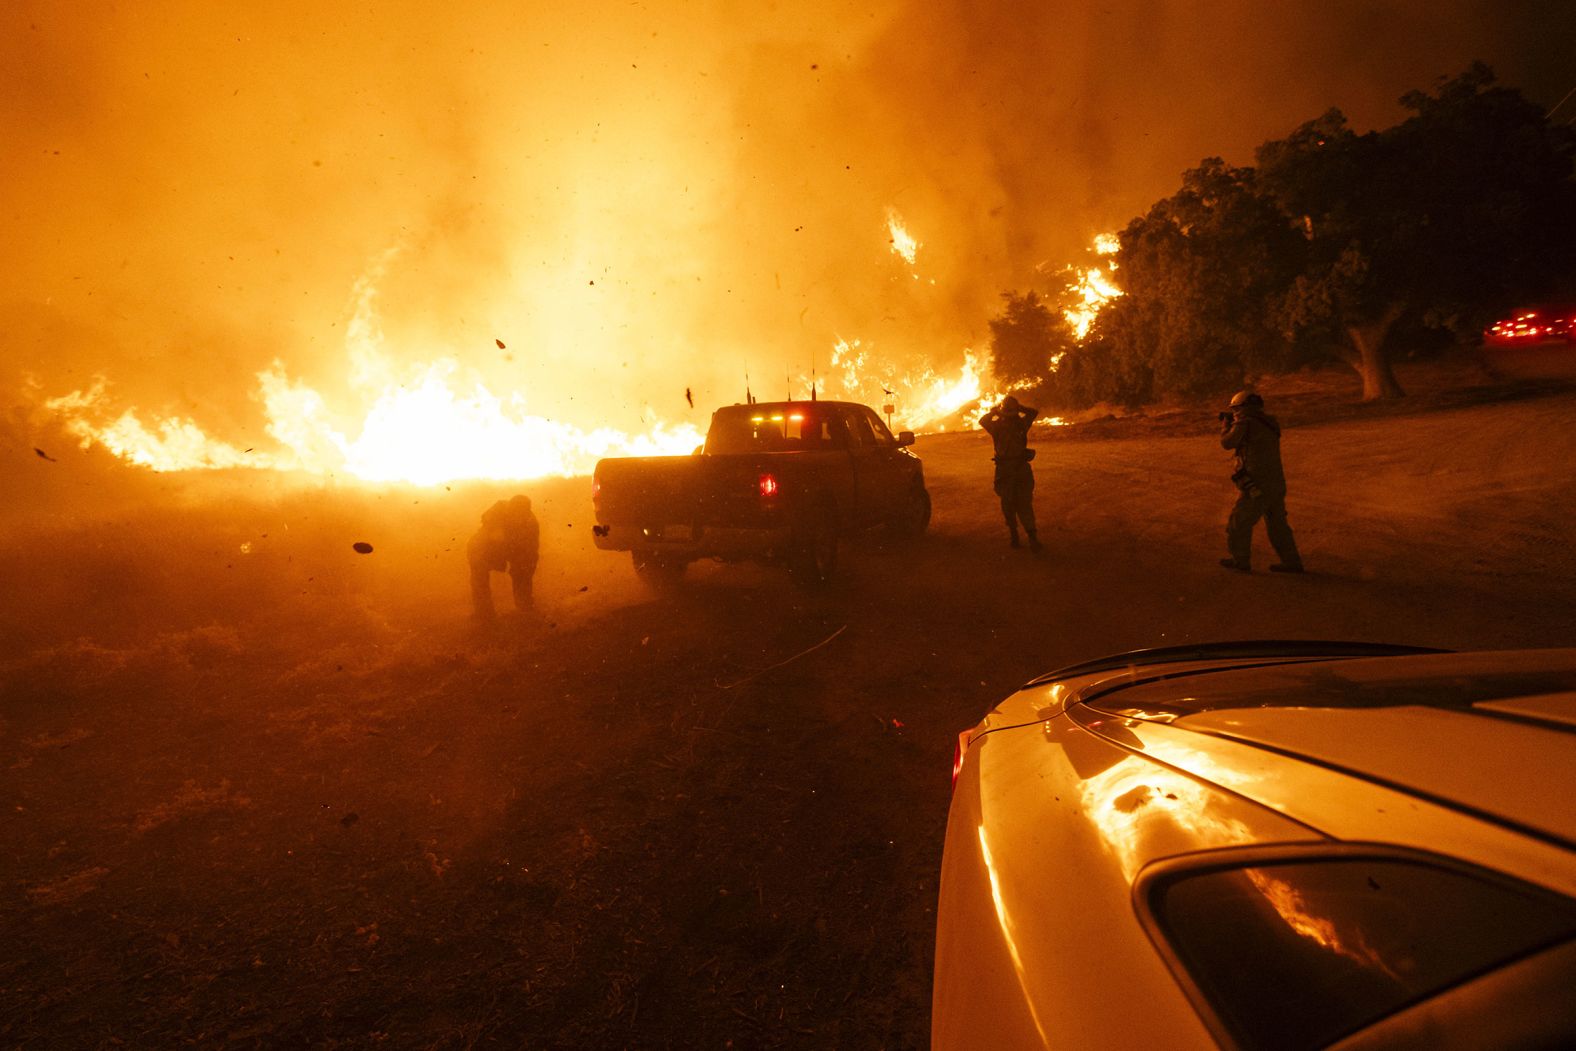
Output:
x=1008 y=425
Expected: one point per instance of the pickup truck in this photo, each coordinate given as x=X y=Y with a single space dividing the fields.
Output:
x=775 y=482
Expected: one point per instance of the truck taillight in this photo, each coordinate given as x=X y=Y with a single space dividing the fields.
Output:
x=768 y=485
x=961 y=750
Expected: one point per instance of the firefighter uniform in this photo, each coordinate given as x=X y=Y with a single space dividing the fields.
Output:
x=1008 y=425
x=509 y=539
x=1254 y=436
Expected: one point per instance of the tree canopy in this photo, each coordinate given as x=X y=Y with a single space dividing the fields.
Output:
x=1028 y=339
x=1199 y=269
x=1461 y=211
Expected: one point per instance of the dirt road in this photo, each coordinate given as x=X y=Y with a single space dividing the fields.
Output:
x=286 y=796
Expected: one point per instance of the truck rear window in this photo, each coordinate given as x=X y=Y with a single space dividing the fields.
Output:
x=769 y=430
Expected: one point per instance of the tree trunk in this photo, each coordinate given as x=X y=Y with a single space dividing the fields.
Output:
x=1372 y=362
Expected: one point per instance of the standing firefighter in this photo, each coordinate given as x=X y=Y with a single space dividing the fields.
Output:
x=1261 y=485
x=1008 y=425
x=508 y=540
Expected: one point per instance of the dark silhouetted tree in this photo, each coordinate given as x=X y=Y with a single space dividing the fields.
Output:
x=1450 y=217
x=1026 y=338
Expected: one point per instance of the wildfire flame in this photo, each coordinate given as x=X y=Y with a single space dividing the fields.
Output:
x=427 y=426
x=923 y=397
x=424 y=425
x=426 y=432
x=1093 y=287
x=436 y=422
x=919 y=396
x=903 y=242
x=173 y=444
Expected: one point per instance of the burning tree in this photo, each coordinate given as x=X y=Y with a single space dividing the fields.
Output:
x=1028 y=339
x=1033 y=335
x=1199 y=271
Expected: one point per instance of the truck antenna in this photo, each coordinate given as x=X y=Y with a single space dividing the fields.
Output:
x=749 y=399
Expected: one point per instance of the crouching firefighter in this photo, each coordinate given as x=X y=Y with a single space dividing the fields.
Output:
x=509 y=539
x=1254 y=436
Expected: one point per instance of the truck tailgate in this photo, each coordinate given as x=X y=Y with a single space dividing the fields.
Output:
x=680 y=490
x=649 y=490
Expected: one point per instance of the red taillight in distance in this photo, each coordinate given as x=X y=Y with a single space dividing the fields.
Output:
x=767 y=485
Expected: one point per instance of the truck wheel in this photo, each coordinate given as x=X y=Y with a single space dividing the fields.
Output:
x=660 y=573
x=914 y=518
x=814 y=558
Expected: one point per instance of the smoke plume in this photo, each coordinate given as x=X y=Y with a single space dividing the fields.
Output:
x=595 y=207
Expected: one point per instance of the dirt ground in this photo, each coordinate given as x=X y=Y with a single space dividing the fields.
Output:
x=259 y=790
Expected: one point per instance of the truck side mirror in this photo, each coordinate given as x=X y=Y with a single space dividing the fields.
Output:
x=905 y=438
x=698 y=450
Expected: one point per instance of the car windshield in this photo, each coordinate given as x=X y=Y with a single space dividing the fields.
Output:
x=769 y=428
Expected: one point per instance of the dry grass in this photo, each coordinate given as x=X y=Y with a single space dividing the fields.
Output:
x=292 y=798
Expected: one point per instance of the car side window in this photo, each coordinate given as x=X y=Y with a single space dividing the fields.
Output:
x=809 y=429
x=883 y=434
x=1298 y=953
x=877 y=428
x=859 y=434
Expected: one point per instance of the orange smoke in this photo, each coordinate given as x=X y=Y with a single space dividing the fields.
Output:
x=636 y=202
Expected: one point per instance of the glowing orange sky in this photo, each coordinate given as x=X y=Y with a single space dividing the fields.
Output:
x=634 y=198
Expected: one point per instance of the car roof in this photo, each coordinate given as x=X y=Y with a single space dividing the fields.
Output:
x=1228 y=655
x=1457 y=681
x=1489 y=733
x=805 y=403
